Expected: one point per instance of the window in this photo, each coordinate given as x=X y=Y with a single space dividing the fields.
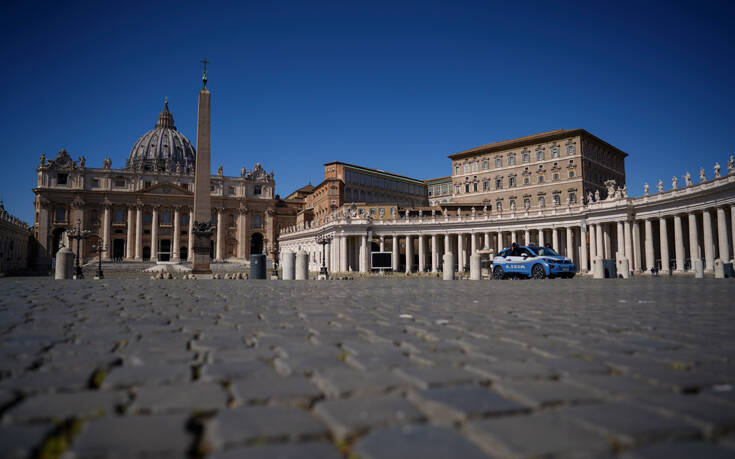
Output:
x=512 y=160
x=512 y=204
x=498 y=162
x=146 y=184
x=511 y=182
x=557 y=200
x=60 y=214
x=525 y=157
x=539 y=155
x=571 y=149
x=526 y=180
x=231 y=190
x=466 y=168
x=445 y=188
x=211 y=187
x=96 y=183
x=456 y=170
x=541 y=201
x=554 y=152
x=431 y=191
x=184 y=219
x=257 y=221
x=485 y=164
x=555 y=176
x=467 y=188
x=456 y=189
x=119 y=216
x=147 y=218
x=257 y=190
x=474 y=186
x=474 y=166
x=526 y=203
x=498 y=183
x=499 y=205
x=485 y=185
x=541 y=179
x=119 y=182
x=61 y=179
x=166 y=217
x=571 y=173
x=572 y=197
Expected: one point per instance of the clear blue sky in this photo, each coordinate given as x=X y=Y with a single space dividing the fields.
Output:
x=391 y=85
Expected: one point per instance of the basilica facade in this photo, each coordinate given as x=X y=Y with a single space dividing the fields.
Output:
x=144 y=210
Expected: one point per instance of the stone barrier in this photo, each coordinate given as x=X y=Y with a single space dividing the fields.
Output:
x=624 y=268
x=598 y=270
x=719 y=269
x=302 y=266
x=64 y=264
x=288 y=263
x=475 y=270
x=448 y=266
x=257 y=266
x=698 y=268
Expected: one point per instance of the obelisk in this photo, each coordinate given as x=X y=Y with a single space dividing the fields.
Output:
x=202 y=230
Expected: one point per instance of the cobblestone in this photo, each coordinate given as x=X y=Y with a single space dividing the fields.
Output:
x=377 y=368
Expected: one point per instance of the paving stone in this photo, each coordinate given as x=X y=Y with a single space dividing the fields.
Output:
x=227 y=371
x=245 y=425
x=457 y=403
x=509 y=369
x=289 y=390
x=311 y=450
x=337 y=382
x=17 y=442
x=536 y=435
x=425 y=377
x=179 y=397
x=133 y=375
x=679 y=450
x=716 y=417
x=65 y=405
x=127 y=436
x=630 y=424
x=539 y=393
x=353 y=416
x=426 y=442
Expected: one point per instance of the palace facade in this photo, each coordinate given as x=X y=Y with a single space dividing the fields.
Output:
x=144 y=211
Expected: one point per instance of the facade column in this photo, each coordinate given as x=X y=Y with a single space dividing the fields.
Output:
x=177 y=234
x=593 y=244
x=628 y=239
x=679 y=244
x=422 y=253
x=607 y=240
x=220 y=242
x=154 y=233
x=570 y=243
x=460 y=253
x=732 y=230
x=190 y=242
x=620 y=240
x=527 y=237
x=513 y=237
x=382 y=243
x=583 y=266
x=242 y=232
x=724 y=254
x=409 y=253
x=130 y=240
x=394 y=258
x=555 y=239
x=694 y=251
x=637 y=265
x=434 y=254
x=487 y=241
x=650 y=262
x=664 y=242
x=541 y=238
x=500 y=241
x=600 y=250
x=343 y=253
x=473 y=243
x=139 y=233
x=447 y=243
x=105 y=234
x=363 y=254
x=709 y=249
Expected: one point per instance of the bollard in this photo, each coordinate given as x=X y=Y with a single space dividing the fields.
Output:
x=598 y=271
x=64 y=263
x=625 y=268
x=257 y=266
x=302 y=266
x=698 y=268
x=475 y=271
x=288 y=263
x=719 y=269
x=448 y=267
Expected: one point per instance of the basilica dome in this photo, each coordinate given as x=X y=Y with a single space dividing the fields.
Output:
x=163 y=148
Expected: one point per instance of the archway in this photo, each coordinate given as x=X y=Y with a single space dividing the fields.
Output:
x=183 y=253
x=256 y=244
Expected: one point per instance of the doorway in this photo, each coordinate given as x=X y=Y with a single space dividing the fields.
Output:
x=164 y=252
x=118 y=249
x=256 y=244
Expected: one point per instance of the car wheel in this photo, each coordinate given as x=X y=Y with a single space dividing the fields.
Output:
x=570 y=276
x=498 y=273
x=538 y=272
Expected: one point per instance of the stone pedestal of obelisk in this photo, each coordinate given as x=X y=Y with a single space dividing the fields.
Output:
x=202 y=230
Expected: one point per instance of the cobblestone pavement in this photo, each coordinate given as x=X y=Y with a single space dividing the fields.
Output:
x=391 y=368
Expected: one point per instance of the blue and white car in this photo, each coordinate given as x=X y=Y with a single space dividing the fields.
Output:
x=531 y=261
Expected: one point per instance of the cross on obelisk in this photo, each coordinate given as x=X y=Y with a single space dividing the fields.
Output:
x=202 y=230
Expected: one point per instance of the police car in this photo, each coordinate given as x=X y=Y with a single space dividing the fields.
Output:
x=532 y=261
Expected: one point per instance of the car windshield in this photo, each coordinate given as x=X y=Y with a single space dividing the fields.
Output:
x=545 y=251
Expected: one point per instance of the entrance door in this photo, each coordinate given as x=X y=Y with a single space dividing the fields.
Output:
x=164 y=253
x=256 y=244
x=118 y=249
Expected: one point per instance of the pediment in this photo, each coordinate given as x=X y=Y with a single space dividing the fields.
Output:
x=170 y=189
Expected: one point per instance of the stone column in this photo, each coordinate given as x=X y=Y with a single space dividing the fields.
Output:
x=600 y=249
x=409 y=253
x=434 y=254
x=732 y=229
x=242 y=233
x=637 y=264
x=177 y=233
x=106 y=240
x=693 y=239
x=220 y=241
x=709 y=249
x=620 y=239
x=607 y=240
x=343 y=253
x=190 y=242
x=154 y=233
x=555 y=239
x=422 y=253
x=139 y=233
x=722 y=238
x=513 y=237
x=570 y=243
x=500 y=241
x=527 y=237
x=664 y=242
x=649 y=245
x=593 y=244
x=628 y=237
x=363 y=254
x=394 y=258
x=382 y=243
x=541 y=238
x=460 y=253
x=447 y=243
x=130 y=240
x=473 y=244
x=583 y=266
x=487 y=241
x=679 y=244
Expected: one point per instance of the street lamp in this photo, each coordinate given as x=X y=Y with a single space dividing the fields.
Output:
x=99 y=249
x=323 y=240
x=78 y=233
x=276 y=251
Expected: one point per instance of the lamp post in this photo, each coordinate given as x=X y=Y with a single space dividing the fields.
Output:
x=323 y=240
x=78 y=234
x=99 y=249
x=276 y=251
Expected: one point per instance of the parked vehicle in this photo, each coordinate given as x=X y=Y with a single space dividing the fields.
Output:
x=531 y=262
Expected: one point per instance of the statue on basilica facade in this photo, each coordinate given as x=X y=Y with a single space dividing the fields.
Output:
x=717 y=170
x=43 y=159
x=674 y=182
x=597 y=195
x=731 y=165
x=687 y=180
x=106 y=163
x=660 y=185
x=243 y=172
x=82 y=161
x=702 y=175
x=220 y=172
x=645 y=189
